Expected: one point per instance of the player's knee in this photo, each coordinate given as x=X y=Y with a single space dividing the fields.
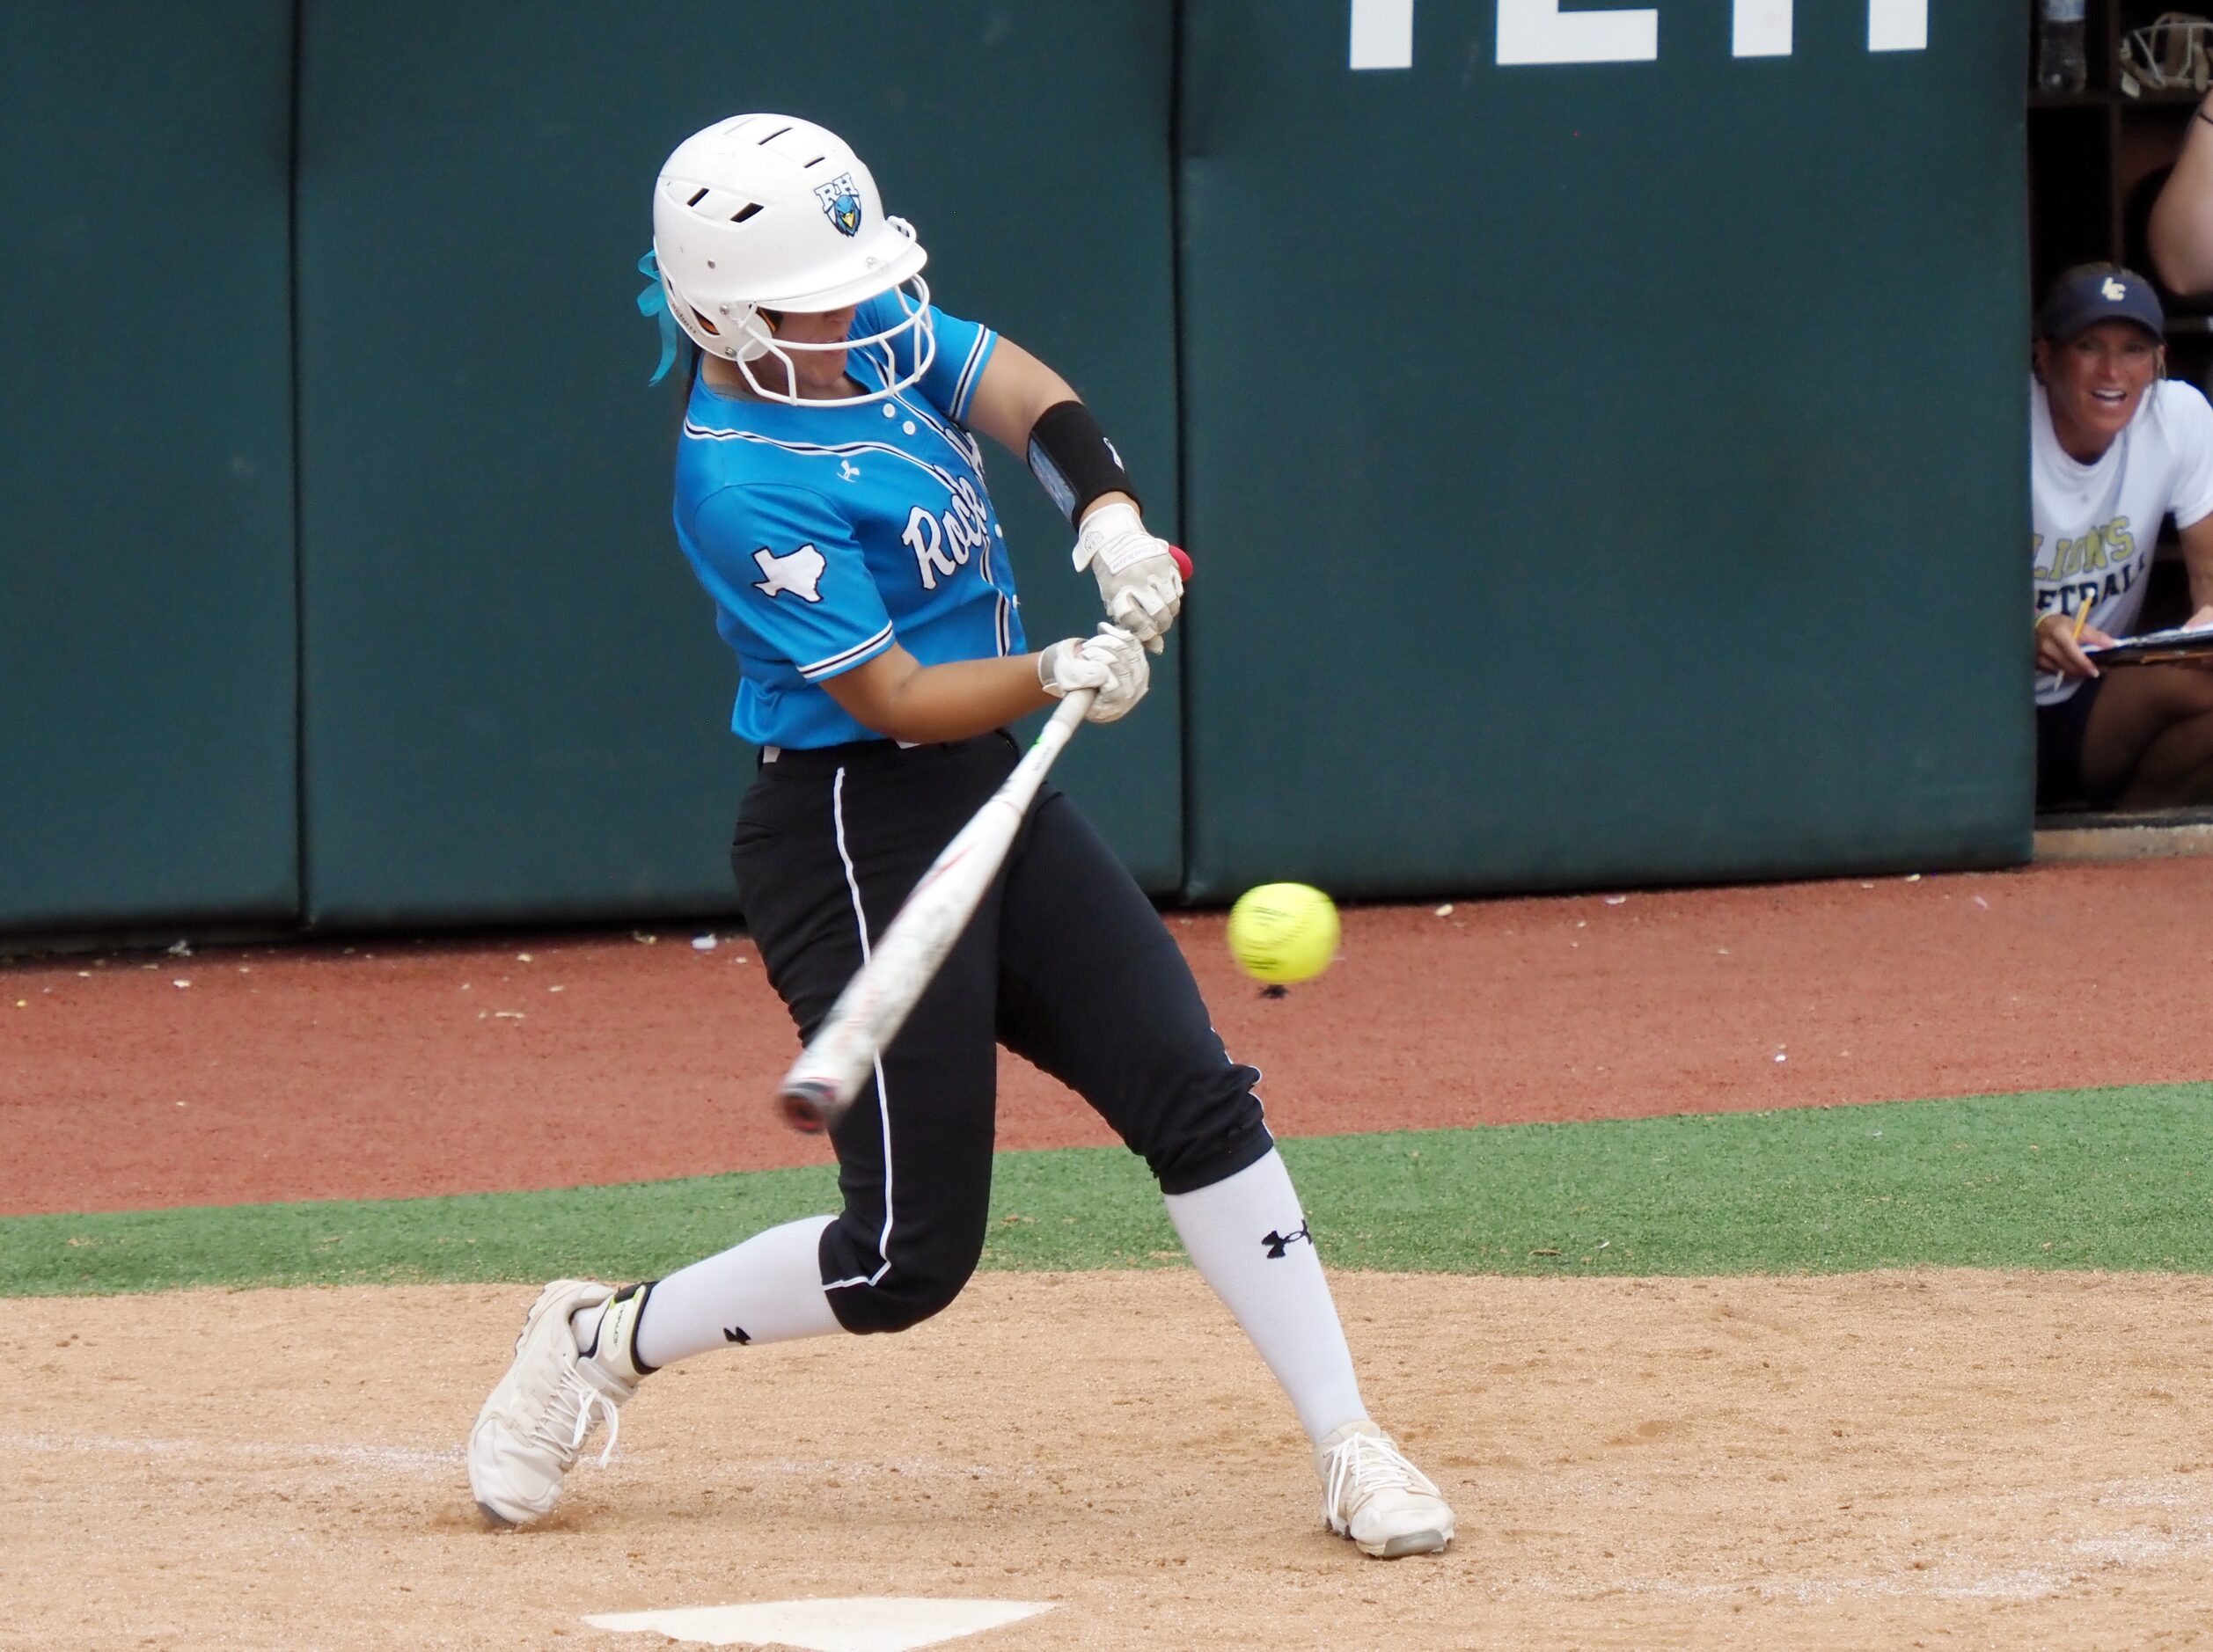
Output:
x=909 y=1292
x=1208 y=1142
x=899 y=1303
x=2181 y=695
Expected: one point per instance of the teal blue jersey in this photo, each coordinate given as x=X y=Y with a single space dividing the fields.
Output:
x=824 y=534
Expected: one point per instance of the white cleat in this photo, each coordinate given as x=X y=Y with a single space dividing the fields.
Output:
x=1372 y=1495
x=529 y=1433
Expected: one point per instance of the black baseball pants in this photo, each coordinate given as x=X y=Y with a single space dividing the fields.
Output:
x=1066 y=963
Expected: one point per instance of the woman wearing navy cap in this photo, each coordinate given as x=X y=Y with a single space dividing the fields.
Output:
x=2115 y=447
x=830 y=499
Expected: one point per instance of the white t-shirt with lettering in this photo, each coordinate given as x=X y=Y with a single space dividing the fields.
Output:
x=2097 y=526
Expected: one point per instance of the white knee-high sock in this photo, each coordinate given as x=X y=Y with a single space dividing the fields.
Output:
x=1249 y=1239
x=767 y=1290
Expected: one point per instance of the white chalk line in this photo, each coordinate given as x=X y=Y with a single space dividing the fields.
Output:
x=395 y=1459
x=424 y=1460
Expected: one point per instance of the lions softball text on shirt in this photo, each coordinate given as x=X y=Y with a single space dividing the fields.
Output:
x=823 y=533
x=2097 y=525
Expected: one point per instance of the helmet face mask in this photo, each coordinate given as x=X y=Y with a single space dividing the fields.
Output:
x=757 y=340
x=767 y=213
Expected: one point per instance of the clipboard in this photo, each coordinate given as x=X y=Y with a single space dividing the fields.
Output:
x=2157 y=647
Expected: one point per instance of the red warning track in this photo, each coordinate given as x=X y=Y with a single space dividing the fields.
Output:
x=395 y=1067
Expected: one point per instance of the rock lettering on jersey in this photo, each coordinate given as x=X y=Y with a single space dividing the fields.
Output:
x=943 y=544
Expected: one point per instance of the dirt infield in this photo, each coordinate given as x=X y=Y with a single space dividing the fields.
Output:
x=398 y=1068
x=1971 y=1460
x=1977 y=1460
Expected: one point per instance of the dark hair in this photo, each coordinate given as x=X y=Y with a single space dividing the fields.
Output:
x=691 y=364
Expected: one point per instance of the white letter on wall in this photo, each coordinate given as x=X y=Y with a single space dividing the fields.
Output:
x=1382 y=33
x=1537 y=32
x=1763 y=28
x=1897 y=25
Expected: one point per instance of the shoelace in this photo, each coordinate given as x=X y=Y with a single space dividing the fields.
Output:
x=574 y=1391
x=1364 y=1466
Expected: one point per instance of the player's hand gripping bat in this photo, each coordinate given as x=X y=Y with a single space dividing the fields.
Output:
x=837 y=1063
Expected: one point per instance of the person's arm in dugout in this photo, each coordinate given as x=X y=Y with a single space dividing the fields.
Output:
x=2059 y=646
x=2181 y=230
x=2058 y=651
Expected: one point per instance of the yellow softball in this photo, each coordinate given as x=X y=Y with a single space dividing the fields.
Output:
x=1283 y=933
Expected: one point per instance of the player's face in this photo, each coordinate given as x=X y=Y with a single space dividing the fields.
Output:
x=821 y=373
x=2096 y=381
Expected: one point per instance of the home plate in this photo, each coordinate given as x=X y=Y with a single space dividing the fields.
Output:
x=862 y=1623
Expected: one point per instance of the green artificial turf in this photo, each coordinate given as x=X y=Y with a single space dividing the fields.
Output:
x=2103 y=1179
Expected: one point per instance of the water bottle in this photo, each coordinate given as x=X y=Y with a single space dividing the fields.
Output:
x=2060 y=66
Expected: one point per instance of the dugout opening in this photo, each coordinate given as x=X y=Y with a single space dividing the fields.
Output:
x=2098 y=154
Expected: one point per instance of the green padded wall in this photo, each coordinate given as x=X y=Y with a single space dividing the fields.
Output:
x=1611 y=472
x=146 y=598
x=516 y=704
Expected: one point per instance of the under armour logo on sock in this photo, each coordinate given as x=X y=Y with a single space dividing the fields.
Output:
x=736 y=1333
x=1278 y=1243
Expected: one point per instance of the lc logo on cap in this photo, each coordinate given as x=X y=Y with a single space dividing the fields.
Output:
x=2085 y=299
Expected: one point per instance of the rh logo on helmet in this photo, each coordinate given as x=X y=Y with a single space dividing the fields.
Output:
x=841 y=203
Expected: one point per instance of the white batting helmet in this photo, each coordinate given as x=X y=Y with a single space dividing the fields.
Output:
x=766 y=212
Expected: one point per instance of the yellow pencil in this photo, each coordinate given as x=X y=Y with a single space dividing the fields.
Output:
x=2082 y=618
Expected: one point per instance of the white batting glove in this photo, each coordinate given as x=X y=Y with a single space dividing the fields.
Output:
x=1111 y=661
x=1137 y=576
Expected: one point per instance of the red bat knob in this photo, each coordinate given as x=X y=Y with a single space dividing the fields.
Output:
x=806 y=1107
x=1183 y=560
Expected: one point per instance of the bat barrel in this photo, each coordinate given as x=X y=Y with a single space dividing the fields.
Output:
x=835 y=1065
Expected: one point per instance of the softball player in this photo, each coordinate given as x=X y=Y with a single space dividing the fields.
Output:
x=2114 y=448
x=831 y=498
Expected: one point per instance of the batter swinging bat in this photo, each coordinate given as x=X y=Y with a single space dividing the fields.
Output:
x=832 y=1068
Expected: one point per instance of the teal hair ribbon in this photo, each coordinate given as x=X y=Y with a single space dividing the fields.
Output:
x=654 y=302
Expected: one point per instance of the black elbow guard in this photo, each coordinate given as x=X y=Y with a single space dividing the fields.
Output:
x=1074 y=461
